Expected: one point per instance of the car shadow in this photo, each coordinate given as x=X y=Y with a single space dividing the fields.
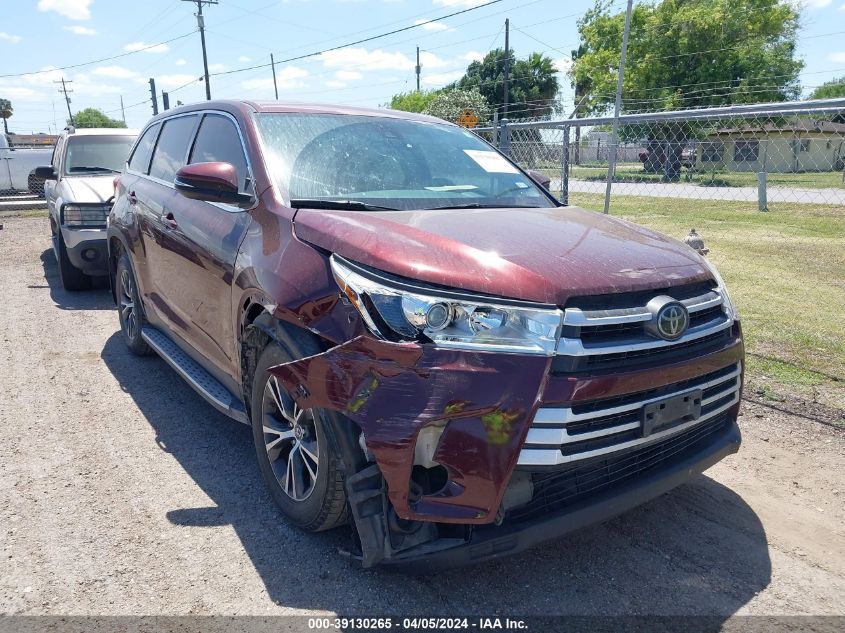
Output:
x=97 y=298
x=698 y=550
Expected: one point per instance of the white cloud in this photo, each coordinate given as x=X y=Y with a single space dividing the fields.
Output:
x=367 y=60
x=244 y=59
x=472 y=56
x=432 y=26
x=115 y=72
x=334 y=83
x=839 y=57
x=287 y=78
x=173 y=81
x=45 y=78
x=180 y=62
x=348 y=75
x=817 y=4
x=430 y=60
x=137 y=46
x=8 y=37
x=460 y=3
x=842 y=8
x=71 y=9
x=217 y=68
x=439 y=79
x=563 y=64
x=19 y=92
x=80 y=30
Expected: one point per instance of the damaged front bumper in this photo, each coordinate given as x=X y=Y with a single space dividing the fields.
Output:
x=464 y=415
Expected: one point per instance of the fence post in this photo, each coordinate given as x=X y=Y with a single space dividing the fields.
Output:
x=761 y=191
x=564 y=167
x=496 y=128
x=505 y=137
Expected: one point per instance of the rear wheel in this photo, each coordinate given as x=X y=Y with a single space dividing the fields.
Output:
x=129 y=307
x=72 y=278
x=296 y=450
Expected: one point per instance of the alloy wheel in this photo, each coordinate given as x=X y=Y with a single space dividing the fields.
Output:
x=290 y=439
x=128 y=313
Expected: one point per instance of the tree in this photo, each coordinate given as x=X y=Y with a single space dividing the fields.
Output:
x=92 y=117
x=532 y=85
x=449 y=104
x=689 y=54
x=412 y=101
x=830 y=89
x=6 y=111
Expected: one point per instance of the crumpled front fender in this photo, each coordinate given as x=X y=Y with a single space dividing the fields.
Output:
x=484 y=402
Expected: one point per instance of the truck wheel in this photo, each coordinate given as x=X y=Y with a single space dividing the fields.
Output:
x=297 y=453
x=72 y=278
x=129 y=308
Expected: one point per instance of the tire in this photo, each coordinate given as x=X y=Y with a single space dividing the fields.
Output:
x=129 y=311
x=72 y=278
x=299 y=444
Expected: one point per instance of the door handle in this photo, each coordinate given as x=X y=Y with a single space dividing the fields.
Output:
x=168 y=220
x=133 y=199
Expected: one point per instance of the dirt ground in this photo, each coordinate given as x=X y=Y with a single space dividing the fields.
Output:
x=122 y=492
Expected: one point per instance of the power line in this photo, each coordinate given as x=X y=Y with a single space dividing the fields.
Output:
x=98 y=61
x=360 y=41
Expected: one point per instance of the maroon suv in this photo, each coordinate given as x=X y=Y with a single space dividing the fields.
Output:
x=430 y=349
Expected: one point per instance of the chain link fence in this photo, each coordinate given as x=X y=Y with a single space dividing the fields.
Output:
x=763 y=185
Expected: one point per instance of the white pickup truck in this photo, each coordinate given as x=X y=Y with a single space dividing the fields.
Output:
x=17 y=166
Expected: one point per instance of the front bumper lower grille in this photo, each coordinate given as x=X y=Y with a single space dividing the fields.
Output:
x=562 y=435
x=557 y=489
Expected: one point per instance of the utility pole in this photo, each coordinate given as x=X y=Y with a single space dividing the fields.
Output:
x=64 y=90
x=122 y=111
x=165 y=100
x=153 y=96
x=201 y=26
x=418 y=68
x=507 y=67
x=614 y=134
x=273 y=67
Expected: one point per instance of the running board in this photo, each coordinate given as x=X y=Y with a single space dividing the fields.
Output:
x=196 y=376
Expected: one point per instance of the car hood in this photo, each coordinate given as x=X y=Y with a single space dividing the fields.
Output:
x=544 y=255
x=88 y=189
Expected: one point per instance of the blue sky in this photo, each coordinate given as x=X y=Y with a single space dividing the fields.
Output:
x=38 y=35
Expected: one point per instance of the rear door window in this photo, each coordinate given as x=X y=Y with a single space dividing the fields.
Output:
x=140 y=160
x=172 y=147
x=218 y=141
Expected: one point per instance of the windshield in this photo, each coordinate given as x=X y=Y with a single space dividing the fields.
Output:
x=387 y=163
x=93 y=154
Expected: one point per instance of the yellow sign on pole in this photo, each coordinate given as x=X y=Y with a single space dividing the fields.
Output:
x=468 y=118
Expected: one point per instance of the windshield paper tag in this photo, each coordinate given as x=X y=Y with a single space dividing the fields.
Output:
x=491 y=162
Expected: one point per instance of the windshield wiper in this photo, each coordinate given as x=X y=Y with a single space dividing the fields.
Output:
x=87 y=168
x=344 y=205
x=479 y=205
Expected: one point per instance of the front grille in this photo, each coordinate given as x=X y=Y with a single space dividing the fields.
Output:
x=611 y=331
x=560 y=435
x=560 y=488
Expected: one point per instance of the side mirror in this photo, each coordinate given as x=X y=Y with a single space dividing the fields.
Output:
x=46 y=172
x=210 y=182
x=541 y=179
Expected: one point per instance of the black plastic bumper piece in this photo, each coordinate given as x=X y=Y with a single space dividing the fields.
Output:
x=490 y=542
x=90 y=256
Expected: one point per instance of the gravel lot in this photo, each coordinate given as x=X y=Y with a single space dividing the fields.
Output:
x=122 y=492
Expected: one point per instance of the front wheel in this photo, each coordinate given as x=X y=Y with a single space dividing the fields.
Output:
x=129 y=307
x=72 y=278
x=296 y=451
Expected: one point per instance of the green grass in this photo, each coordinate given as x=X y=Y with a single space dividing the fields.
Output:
x=785 y=270
x=633 y=172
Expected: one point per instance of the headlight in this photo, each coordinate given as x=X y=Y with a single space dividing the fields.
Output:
x=730 y=309
x=85 y=215
x=465 y=322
